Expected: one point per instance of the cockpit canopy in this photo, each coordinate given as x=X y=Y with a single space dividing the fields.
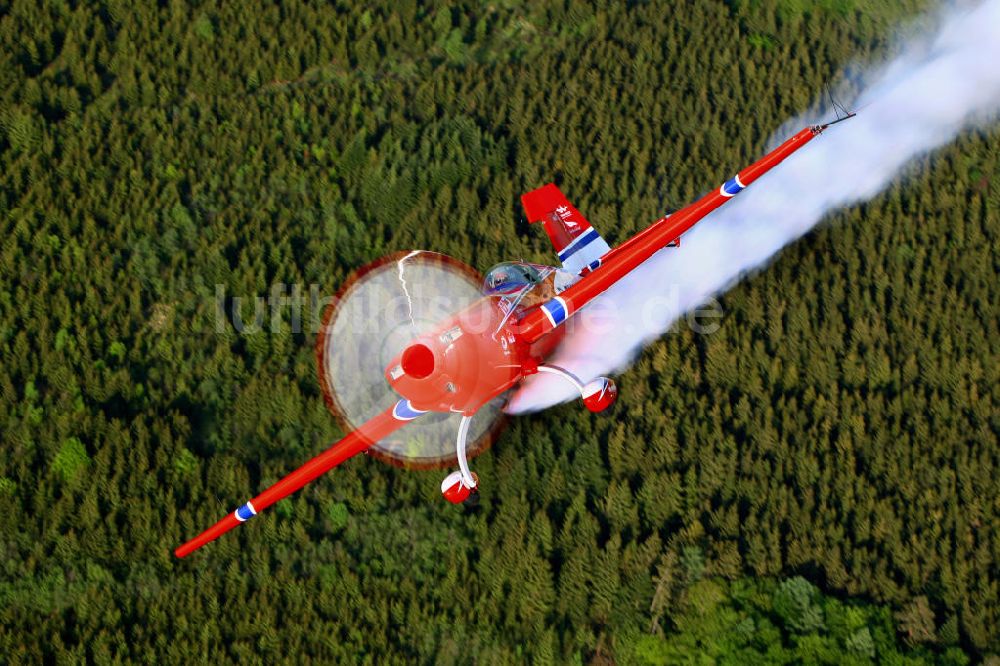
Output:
x=511 y=278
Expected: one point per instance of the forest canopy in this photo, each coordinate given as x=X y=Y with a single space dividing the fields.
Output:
x=825 y=464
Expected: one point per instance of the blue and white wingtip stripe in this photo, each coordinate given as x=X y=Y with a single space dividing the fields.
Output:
x=732 y=187
x=555 y=310
x=245 y=512
x=404 y=411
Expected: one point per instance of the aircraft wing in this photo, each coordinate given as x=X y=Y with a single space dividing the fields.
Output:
x=352 y=444
x=577 y=243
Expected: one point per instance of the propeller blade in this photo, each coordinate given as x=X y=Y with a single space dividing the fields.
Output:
x=352 y=444
x=378 y=312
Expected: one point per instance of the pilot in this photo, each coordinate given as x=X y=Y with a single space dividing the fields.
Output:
x=527 y=284
x=544 y=290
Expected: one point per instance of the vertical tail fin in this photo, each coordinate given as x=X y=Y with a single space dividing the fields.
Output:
x=577 y=243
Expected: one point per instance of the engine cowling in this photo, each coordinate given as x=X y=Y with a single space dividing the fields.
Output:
x=461 y=364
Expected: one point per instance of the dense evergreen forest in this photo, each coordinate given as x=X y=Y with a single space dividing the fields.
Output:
x=819 y=481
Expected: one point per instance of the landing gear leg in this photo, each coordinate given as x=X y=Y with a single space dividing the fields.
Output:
x=564 y=373
x=462 y=486
x=460 y=449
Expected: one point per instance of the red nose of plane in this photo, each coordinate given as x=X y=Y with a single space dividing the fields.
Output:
x=417 y=361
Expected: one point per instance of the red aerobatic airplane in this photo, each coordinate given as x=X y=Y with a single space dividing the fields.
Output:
x=479 y=353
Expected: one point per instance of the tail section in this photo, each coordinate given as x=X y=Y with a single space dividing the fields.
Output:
x=578 y=244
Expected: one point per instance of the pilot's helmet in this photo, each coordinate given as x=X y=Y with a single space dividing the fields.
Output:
x=510 y=277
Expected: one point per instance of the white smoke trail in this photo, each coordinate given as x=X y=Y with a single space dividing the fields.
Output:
x=937 y=86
